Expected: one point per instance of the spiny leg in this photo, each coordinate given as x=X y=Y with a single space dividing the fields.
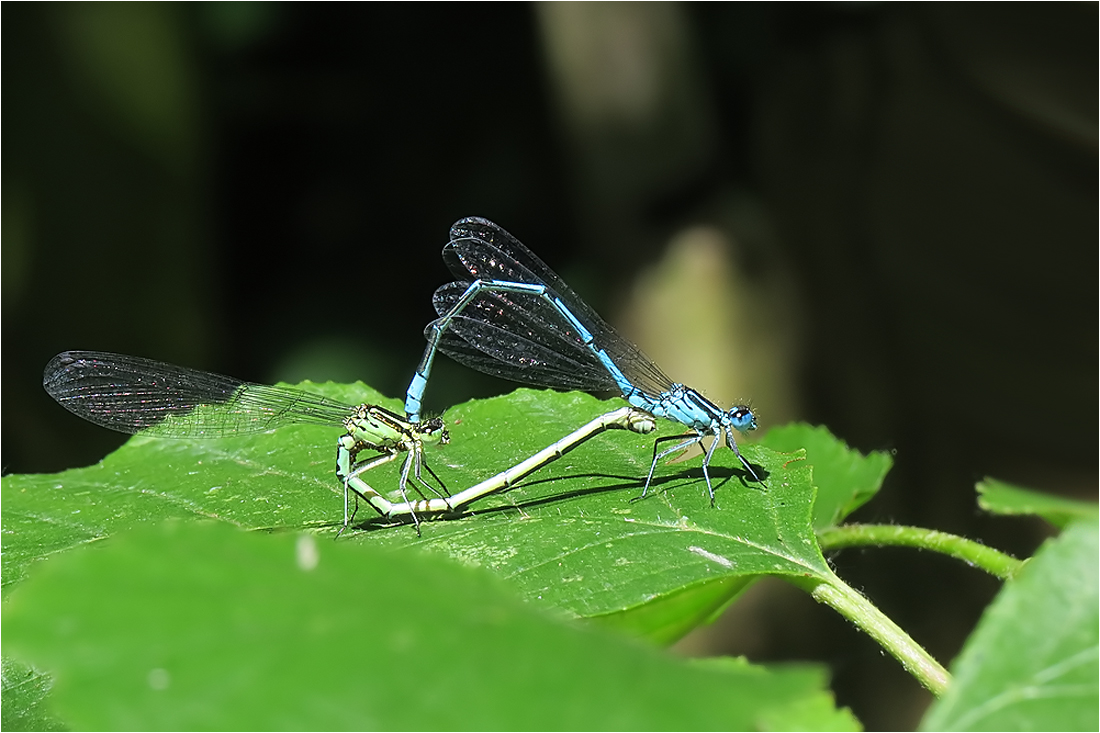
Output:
x=748 y=466
x=658 y=456
x=344 y=459
x=706 y=462
x=418 y=463
x=401 y=487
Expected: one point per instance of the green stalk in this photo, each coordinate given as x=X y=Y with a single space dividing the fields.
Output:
x=880 y=535
x=851 y=605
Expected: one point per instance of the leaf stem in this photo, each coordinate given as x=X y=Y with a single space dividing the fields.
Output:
x=851 y=605
x=972 y=553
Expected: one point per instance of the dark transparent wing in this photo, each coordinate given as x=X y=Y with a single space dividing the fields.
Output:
x=135 y=395
x=528 y=362
x=518 y=336
x=481 y=249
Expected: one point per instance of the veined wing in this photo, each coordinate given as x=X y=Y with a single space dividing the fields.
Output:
x=480 y=248
x=131 y=394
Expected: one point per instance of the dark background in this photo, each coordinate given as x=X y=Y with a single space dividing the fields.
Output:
x=882 y=218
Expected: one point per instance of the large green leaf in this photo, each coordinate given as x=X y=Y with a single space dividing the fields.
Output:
x=570 y=536
x=199 y=626
x=1032 y=662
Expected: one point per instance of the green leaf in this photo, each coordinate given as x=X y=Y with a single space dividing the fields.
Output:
x=572 y=537
x=199 y=626
x=1000 y=497
x=845 y=478
x=569 y=536
x=1032 y=662
x=24 y=693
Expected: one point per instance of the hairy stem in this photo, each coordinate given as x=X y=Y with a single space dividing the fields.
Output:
x=972 y=553
x=851 y=605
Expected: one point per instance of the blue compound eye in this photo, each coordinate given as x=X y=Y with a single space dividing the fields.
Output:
x=741 y=417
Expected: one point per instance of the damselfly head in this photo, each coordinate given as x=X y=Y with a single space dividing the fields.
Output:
x=741 y=418
x=433 y=431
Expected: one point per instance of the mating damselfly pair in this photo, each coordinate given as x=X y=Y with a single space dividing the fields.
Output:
x=508 y=315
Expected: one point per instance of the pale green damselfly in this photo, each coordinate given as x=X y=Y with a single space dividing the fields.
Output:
x=134 y=395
